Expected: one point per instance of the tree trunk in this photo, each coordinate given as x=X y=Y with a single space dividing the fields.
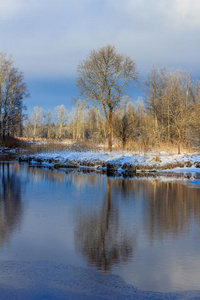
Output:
x=179 y=147
x=123 y=143
x=4 y=135
x=110 y=132
x=34 y=130
x=168 y=123
x=179 y=141
x=60 y=131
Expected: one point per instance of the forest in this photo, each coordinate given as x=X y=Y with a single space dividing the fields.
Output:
x=104 y=113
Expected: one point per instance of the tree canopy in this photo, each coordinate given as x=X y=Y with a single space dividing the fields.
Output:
x=103 y=78
x=13 y=90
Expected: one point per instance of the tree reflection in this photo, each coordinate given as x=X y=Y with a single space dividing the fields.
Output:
x=100 y=237
x=50 y=175
x=170 y=207
x=69 y=176
x=11 y=208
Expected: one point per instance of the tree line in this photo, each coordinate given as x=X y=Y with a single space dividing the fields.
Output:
x=158 y=122
x=167 y=116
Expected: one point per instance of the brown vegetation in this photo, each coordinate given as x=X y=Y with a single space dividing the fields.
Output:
x=167 y=118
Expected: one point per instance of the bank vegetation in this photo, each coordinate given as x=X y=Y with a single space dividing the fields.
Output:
x=165 y=118
x=168 y=118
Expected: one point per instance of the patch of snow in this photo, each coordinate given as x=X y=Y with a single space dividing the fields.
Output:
x=165 y=161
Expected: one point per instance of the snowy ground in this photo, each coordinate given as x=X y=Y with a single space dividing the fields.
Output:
x=118 y=161
x=8 y=150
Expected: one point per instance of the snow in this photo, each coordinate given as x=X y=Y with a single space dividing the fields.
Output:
x=165 y=162
x=8 y=150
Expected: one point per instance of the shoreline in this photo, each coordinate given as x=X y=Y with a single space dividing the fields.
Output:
x=121 y=162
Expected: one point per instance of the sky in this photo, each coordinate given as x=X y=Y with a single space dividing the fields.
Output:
x=49 y=38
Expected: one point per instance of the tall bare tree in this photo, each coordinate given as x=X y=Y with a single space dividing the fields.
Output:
x=48 y=124
x=78 y=121
x=124 y=122
x=171 y=99
x=103 y=78
x=61 y=118
x=36 y=120
x=13 y=90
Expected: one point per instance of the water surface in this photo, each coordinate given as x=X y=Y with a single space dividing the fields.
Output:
x=146 y=231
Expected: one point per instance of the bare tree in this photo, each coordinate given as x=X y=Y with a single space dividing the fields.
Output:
x=78 y=121
x=13 y=90
x=180 y=104
x=171 y=99
x=61 y=118
x=48 y=123
x=103 y=78
x=155 y=86
x=124 y=122
x=36 y=119
x=94 y=128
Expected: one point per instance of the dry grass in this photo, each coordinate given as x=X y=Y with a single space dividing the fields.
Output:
x=12 y=143
x=141 y=148
x=58 y=146
x=44 y=145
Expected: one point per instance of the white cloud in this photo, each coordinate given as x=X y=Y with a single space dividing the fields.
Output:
x=190 y=10
x=49 y=37
x=186 y=13
x=10 y=7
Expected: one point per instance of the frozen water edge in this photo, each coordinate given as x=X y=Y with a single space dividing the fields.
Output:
x=165 y=162
x=45 y=280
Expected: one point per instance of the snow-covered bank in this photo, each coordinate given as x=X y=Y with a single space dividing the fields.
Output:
x=117 y=161
x=8 y=150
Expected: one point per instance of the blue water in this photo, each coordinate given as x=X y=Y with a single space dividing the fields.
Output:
x=56 y=227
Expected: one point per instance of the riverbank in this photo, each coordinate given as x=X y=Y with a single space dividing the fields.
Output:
x=125 y=162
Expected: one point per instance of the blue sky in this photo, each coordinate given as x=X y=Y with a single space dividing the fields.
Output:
x=48 y=39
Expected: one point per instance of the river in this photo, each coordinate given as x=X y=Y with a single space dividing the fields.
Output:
x=65 y=234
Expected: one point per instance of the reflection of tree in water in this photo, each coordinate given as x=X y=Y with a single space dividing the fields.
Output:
x=169 y=210
x=170 y=207
x=39 y=174
x=68 y=176
x=10 y=200
x=128 y=189
x=100 y=238
x=80 y=180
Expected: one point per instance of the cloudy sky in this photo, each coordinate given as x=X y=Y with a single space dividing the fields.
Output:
x=48 y=38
